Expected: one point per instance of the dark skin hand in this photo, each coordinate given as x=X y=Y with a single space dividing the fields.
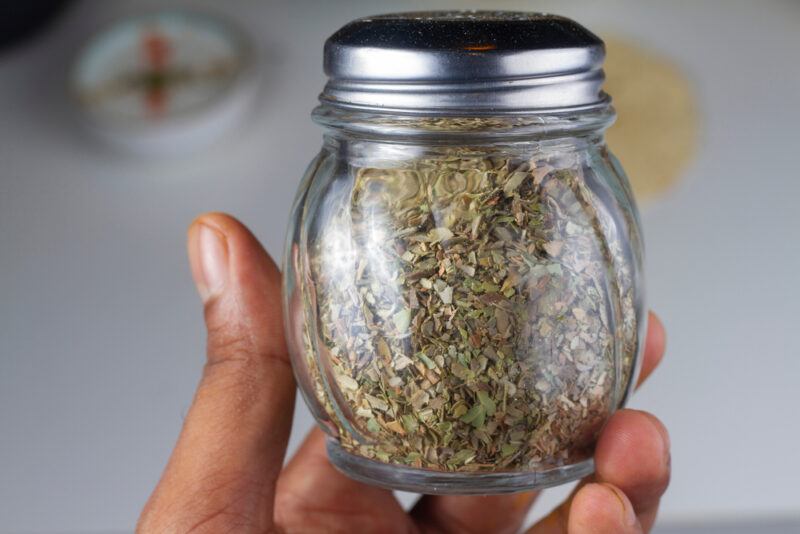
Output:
x=226 y=473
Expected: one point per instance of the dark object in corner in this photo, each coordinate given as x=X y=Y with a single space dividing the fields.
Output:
x=20 y=21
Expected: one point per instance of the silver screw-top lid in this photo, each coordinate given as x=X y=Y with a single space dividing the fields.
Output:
x=464 y=62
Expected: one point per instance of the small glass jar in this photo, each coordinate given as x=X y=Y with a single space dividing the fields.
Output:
x=463 y=268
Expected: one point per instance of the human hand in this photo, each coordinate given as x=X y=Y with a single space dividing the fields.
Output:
x=226 y=473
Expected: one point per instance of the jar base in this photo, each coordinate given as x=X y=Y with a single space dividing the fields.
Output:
x=403 y=478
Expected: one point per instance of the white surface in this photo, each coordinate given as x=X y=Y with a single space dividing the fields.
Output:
x=101 y=337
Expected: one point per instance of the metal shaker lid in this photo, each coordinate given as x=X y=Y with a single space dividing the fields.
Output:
x=456 y=62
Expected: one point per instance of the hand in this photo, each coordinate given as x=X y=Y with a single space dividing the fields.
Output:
x=226 y=473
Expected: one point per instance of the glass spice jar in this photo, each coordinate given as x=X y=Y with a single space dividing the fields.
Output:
x=463 y=268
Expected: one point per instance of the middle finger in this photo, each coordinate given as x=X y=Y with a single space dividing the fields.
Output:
x=473 y=514
x=633 y=454
x=312 y=496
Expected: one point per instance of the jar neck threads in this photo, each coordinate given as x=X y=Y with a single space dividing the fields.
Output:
x=439 y=129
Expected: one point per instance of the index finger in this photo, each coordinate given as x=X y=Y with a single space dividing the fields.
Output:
x=654 y=346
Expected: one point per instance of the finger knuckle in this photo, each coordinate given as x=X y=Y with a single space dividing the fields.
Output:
x=243 y=343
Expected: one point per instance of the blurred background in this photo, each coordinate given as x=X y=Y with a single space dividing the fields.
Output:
x=101 y=333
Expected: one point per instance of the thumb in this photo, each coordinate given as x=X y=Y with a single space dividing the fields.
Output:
x=221 y=475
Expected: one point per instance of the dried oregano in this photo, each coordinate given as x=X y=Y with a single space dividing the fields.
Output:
x=463 y=312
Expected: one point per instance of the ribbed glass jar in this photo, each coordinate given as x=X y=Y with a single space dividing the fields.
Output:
x=463 y=295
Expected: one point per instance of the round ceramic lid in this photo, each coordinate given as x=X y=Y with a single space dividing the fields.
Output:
x=164 y=81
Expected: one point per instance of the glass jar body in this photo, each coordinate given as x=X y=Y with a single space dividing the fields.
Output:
x=464 y=307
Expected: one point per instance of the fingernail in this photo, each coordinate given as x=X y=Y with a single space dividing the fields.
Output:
x=212 y=255
x=662 y=430
x=628 y=515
